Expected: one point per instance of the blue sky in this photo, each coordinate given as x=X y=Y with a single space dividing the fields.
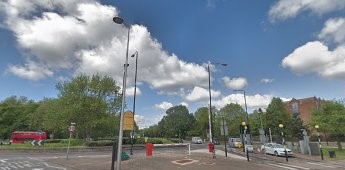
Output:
x=288 y=49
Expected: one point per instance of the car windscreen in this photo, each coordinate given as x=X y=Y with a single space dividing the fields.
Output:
x=278 y=146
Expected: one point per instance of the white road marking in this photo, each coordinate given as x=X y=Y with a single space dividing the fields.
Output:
x=338 y=166
x=320 y=164
x=295 y=166
x=285 y=167
x=54 y=166
x=3 y=160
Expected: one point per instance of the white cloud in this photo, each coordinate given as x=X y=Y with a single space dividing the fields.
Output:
x=334 y=30
x=81 y=36
x=266 y=80
x=164 y=106
x=185 y=104
x=235 y=83
x=315 y=57
x=253 y=102
x=284 y=9
x=144 y=122
x=130 y=91
x=31 y=71
x=200 y=94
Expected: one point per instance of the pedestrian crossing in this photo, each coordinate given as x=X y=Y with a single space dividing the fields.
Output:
x=307 y=166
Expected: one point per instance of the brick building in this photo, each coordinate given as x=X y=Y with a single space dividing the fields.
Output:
x=303 y=107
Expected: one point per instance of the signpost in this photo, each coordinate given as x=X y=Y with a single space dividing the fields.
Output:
x=71 y=129
x=38 y=142
x=128 y=121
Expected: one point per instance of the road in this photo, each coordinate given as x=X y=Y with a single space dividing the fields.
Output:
x=163 y=158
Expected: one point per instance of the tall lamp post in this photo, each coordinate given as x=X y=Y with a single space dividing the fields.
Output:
x=210 y=105
x=244 y=125
x=119 y=20
x=318 y=136
x=135 y=94
x=245 y=105
x=281 y=130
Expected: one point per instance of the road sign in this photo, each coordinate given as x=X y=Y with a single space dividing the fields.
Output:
x=128 y=121
x=37 y=143
x=71 y=128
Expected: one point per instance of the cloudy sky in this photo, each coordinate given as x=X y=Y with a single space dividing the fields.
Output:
x=287 y=49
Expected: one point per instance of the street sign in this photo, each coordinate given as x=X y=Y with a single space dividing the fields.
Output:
x=71 y=128
x=128 y=121
x=37 y=143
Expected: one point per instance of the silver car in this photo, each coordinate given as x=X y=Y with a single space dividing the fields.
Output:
x=276 y=149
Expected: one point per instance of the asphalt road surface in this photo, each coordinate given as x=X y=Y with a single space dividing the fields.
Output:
x=163 y=158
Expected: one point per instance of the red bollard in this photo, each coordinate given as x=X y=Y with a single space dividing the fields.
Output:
x=210 y=147
x=149 y=147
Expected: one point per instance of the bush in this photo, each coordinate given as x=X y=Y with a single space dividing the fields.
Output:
x=99 y=143
x=74 y=142
x=52 y=140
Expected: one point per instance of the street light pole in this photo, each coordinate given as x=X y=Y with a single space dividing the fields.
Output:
x=318 y=136
x=283 y=142
x=245 y=105
x=210 y=121
x=210 y=104
x=135 y=94
x=245 y=139
x=226 y=151
x=119 y=20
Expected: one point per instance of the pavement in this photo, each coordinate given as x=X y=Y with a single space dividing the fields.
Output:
x=167 y=159
x=199 y=159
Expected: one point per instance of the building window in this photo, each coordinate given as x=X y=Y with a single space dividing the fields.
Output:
x=295 y=108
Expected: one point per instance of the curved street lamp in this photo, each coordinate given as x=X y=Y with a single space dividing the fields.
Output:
x=210 y=117
x=318 y=136
x=281 y=126
x=119 y=20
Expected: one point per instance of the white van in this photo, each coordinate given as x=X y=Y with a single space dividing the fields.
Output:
x=197 y=140
x=235 y=142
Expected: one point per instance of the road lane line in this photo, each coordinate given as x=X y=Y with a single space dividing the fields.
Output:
x=338 y=166
x=282 y=166
x=327 y=166
x=54 y=166
x=295 y=166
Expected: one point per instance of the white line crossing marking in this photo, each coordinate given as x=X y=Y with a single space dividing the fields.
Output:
x=3 y=160
x=282 y=166
x=327 y=166
x=295 y=166
x=338 y=166
x=54 y=166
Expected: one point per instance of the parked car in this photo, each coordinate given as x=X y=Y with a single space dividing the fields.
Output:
x=235 y=142
x=197 y=140
x=215 y=141
x=276 y=149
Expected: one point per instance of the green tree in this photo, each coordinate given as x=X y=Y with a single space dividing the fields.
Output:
x=201 y=117
x=277 y=113
x=177 y=122
x=331 y=119
x=233 y=116
x=17 y=114
x=89 y=102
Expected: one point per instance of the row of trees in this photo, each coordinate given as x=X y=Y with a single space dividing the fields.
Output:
x=94 y=103
x=178 y=122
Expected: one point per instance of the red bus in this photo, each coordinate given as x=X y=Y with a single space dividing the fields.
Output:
x=21 y=137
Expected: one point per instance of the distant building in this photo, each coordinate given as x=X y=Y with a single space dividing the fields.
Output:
x=303 y=108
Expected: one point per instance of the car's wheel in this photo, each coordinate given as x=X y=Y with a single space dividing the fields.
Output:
x=276 y=153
